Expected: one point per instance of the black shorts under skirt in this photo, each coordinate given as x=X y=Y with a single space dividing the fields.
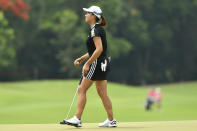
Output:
x=99 y=69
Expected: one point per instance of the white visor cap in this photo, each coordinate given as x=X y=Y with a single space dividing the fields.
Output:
x=95 y=10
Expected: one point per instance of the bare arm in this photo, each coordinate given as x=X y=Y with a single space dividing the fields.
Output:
x=79 y=60
x=95 y=55
x=97 y=52
x=84 y=57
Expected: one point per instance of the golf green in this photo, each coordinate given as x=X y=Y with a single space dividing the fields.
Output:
x=126 y=126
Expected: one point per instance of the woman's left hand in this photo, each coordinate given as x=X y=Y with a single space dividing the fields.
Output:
x=85 y=69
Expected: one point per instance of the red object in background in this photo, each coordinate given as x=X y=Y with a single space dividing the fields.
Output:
x=18 y=7
x=155 y=94
x=158 y=95
x=151 y=94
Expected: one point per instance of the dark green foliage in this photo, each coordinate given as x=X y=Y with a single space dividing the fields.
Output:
x=150 y=41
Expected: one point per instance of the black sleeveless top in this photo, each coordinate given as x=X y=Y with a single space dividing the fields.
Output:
x=97 y=31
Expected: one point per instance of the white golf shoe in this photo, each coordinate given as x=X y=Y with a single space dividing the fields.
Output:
x=74 y=121
x=108 y=123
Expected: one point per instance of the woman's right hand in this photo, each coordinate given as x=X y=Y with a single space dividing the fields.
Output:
x=78 y=62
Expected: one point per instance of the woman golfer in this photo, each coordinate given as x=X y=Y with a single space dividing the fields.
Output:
x=95 y=69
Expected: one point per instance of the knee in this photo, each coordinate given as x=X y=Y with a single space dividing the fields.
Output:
x=101 y=94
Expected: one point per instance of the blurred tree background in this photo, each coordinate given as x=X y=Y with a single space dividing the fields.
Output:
x=150 y=41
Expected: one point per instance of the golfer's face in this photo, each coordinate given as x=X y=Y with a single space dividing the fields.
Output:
x=88 y=17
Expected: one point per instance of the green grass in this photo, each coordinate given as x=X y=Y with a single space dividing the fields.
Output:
x=47 y=101
x=190 y=125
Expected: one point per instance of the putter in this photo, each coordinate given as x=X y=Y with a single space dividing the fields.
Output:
x=74 y=98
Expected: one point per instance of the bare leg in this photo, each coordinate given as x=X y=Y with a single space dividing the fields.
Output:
x=85 y=85
x=101 y=87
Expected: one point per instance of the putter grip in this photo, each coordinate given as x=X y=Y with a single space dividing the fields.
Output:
x=80 y=79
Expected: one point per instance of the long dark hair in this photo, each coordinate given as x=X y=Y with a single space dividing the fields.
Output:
x=103 y=20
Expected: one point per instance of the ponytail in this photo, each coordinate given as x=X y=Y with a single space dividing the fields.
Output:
x=102 y=21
